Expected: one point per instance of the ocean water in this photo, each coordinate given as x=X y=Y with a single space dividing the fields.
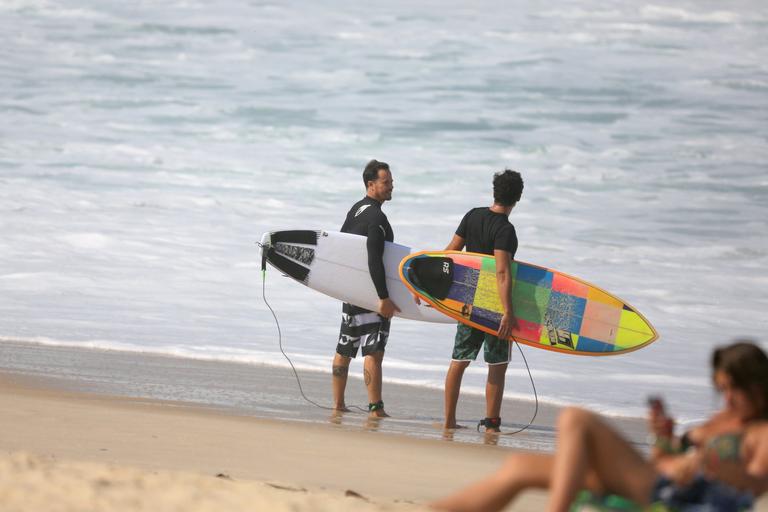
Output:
x=146 y=146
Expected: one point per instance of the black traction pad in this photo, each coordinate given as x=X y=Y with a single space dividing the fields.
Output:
x=433 y=275
x=289 y=267
x=295 y=237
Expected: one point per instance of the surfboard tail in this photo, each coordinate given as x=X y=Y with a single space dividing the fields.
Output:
x=291 y=252
x=266 y=242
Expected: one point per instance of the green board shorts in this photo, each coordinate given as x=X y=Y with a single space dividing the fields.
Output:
x=469 y=340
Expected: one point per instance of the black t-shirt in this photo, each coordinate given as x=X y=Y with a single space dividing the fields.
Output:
x=485 y=231
x=366 y=218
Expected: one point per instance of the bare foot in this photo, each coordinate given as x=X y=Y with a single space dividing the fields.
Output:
x=453 y=426
x=491 y=437
x=341 y=408
x=378 y=413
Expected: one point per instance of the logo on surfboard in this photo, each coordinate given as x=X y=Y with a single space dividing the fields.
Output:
x=303 y=255
x=560 y=337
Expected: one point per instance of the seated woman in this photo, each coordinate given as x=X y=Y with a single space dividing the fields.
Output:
x=590 y=454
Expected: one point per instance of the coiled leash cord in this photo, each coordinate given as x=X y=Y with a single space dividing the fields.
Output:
x=280 y=334
x=535 y=394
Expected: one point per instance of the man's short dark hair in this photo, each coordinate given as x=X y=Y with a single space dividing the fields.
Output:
x=371 y=171
x=507 y=187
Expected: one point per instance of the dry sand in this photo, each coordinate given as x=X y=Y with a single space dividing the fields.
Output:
x=62 y=451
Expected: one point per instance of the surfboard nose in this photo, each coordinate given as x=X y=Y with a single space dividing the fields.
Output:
x=432 y=275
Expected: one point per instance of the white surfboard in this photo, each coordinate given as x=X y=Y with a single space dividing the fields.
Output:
x=336 y=264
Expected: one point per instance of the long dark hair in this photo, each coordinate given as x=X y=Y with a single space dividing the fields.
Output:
x=747 y=366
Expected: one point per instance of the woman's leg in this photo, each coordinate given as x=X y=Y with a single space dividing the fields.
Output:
x=520 y=471
x=589 y=454
x=587 y=445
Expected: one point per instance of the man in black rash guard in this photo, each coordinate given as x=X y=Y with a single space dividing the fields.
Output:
x=360 y=326
x=488 y=231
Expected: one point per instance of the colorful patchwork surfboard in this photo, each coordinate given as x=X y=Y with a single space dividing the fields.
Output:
x=554 y=311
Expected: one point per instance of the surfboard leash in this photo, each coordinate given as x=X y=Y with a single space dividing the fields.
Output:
x=530 y=376
x=535 y=394
x=280 y=334
x=296 y=373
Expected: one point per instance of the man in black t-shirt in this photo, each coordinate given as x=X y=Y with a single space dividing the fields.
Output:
x=360 y=326
x=487 y=231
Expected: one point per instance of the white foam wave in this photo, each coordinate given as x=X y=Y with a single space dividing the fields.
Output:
x=87 y=241
x=660 y=12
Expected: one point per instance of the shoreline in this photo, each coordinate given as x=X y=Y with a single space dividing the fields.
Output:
x=268 y=391
x=519 y=389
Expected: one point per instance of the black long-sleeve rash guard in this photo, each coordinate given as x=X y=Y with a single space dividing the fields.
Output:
x=365 y=218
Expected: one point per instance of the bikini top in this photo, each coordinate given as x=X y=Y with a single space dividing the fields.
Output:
x=725 y=447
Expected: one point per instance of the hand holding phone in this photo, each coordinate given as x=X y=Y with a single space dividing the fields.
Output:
x=656 y=404
x=660 y=424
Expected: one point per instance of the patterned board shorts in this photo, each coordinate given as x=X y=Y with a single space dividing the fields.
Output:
x=469 y=340
x=361 y=326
